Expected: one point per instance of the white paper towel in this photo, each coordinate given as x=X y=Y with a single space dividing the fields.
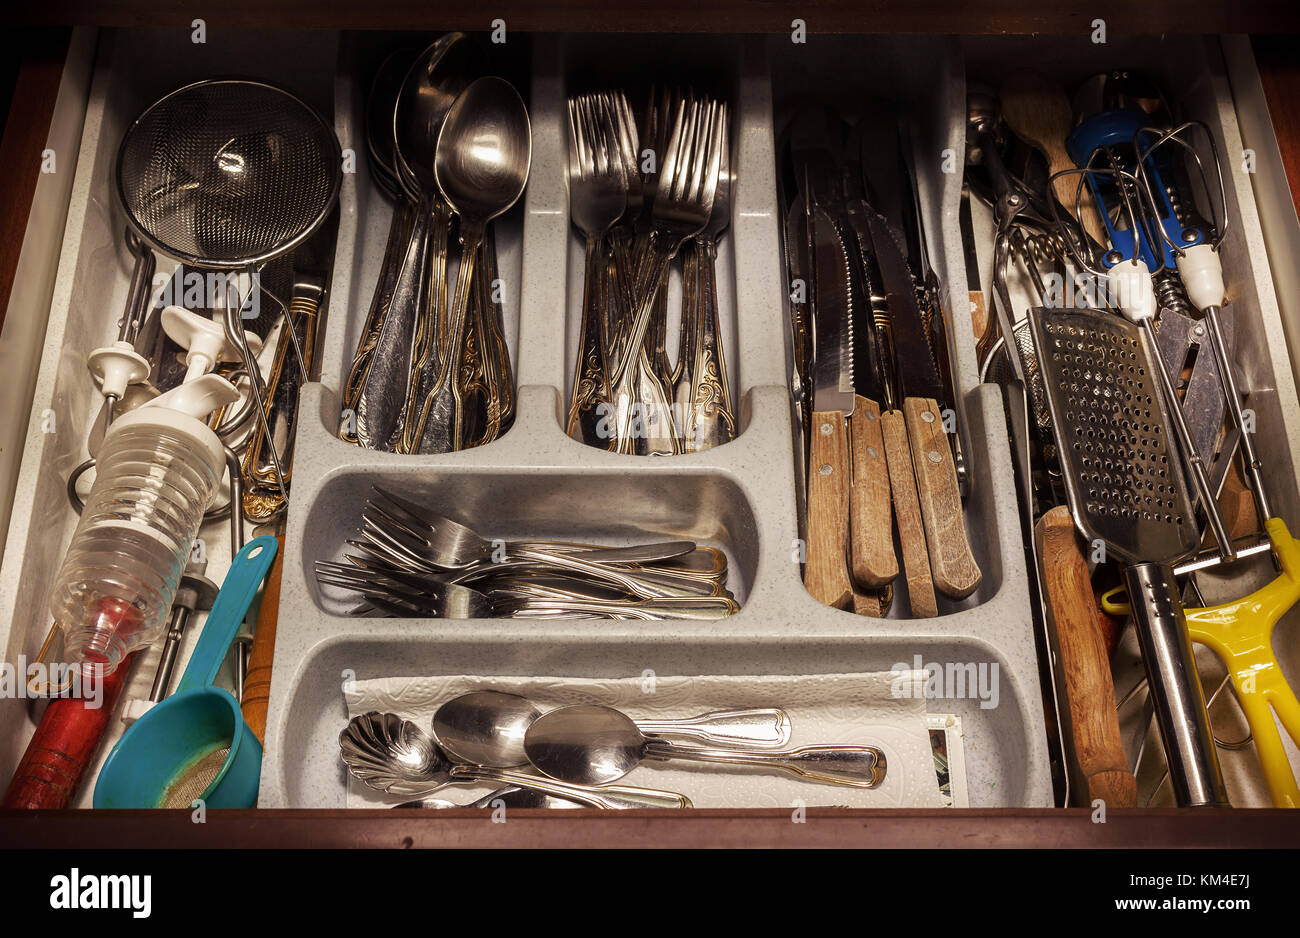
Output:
x=826 y=709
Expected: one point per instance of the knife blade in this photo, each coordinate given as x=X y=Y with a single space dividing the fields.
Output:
x=800 y=345
x=826 y=573
x=952 y=564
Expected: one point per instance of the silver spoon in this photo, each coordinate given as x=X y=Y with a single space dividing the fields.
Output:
x=592 y=745
x=487 y=727
x=481 y=166
x=393 y=755
x=429 y=91
x=415 y=125
x=512 y=796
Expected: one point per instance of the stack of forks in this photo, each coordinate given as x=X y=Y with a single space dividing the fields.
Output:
x=639 y=195
x=410 y=561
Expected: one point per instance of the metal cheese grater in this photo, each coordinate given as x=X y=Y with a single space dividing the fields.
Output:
x=1127 y=489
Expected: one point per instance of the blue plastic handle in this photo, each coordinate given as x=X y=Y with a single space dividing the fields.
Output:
x=242 y=582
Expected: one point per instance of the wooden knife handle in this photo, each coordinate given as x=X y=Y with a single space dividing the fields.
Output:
x=826 y=573
x=979 y=313
x=955 y=572
x=987 y=329
x=1093 y=723
x=871 y=520
x=64 y=745
x=261 y=658
x=907 y=509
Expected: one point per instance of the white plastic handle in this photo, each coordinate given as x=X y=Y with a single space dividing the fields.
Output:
x=1202 y=274
x=117 y=366
x=204 y=340
x=1132 y=291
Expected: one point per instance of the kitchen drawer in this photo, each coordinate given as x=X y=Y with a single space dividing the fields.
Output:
x=739 y=497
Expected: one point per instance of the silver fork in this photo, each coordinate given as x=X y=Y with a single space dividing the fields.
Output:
x=597 y=199
x=419 y=537
x=702 y=392
x=683 y=203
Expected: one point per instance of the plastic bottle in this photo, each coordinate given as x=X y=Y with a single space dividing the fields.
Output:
x=157 y=470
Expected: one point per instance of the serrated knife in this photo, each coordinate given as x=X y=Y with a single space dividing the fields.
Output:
x=952 y=564
x=826 y=572
x=871 y=521
x=893 y=433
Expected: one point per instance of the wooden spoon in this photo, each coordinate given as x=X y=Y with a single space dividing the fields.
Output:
x=1038 y=112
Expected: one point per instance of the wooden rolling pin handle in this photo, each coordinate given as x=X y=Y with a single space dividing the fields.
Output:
x=261 y=658
x=1094 y=735
x=64 y=745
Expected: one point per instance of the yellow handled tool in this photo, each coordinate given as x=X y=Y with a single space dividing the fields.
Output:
x=1240 y=633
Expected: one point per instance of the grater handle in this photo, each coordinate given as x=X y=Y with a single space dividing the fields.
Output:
x=1175 y=686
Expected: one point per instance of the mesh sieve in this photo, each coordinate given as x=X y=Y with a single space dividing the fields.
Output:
x=227 y=173
x=194 y=779
x=1125 y=486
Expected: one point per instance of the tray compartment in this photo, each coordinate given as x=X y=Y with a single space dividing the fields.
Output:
x=369 y=211
x=923 y=77
x=308 y=773
x=521 y=504
x=710 y=65
x=740 y=496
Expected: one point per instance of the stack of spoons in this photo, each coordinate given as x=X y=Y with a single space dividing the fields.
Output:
x=574 y=754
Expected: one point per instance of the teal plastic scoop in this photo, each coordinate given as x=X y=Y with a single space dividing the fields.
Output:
x=195 y=744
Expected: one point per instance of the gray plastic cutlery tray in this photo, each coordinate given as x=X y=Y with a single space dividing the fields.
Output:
x=535 y=481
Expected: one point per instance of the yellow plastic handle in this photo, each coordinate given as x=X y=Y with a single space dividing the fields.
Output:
x=1240 y=633
x=1115 y=602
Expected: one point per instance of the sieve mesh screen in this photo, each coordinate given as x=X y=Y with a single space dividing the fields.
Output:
x=226 y=173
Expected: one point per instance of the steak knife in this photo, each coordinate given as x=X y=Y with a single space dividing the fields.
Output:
x=898 y=454
x=952 y=564
x=871 y=520
x=826 y=573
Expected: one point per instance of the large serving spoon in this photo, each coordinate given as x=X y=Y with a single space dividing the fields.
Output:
x=395 y=756
x=487 y=727
x=592 y=745
x=481 y=166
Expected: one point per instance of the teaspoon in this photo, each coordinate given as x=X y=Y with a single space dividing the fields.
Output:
x=488 y=727
x=592 y=745
x=393 y=755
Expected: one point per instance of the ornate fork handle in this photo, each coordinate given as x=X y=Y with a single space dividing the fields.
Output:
x=589 y=401
x=710 y=421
